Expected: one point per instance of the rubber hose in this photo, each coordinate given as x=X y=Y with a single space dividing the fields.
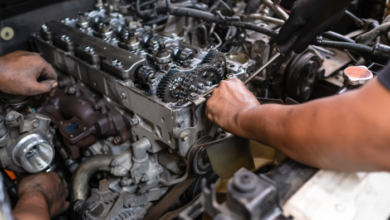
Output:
x=85 y=171
x=360 y=48
x=147 y=14
x=189 y=12
x=253 y=27
x=337 y=37
x=147 y=3
x=158 y=20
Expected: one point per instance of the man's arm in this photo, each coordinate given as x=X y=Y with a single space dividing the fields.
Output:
x=348 y=132
x=41 y=196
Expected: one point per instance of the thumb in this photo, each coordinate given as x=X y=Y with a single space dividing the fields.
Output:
x=42 y=87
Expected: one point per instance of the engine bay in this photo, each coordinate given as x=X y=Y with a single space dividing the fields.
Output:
x=126 y=128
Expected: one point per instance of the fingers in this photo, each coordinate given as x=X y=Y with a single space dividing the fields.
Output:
x=37 y=88
x=47 y=71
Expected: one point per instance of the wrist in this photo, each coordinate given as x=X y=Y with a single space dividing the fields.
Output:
x=31 y=205
x=242 y=117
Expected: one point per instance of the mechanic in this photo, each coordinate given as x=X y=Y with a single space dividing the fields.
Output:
x=348 y=132
x=41 y=196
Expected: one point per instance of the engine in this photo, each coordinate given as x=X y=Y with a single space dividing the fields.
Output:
x=127 y=121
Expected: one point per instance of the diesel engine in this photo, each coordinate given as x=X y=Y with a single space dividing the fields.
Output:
x=127 y=129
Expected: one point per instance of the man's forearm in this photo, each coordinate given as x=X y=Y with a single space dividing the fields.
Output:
x=335 y=133
x=31 y=206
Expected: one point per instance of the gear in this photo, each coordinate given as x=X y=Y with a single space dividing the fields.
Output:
x=217 y=59
x=203 y=75
x=169 y=87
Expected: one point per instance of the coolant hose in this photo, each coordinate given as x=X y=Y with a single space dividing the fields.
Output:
x=84 y=172
x=253 y=27
x=337 y=37
x=360 y=48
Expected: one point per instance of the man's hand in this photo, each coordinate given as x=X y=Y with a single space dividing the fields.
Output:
x=27 y=74
x=41 y=196
x=311 y=18
x=227 y=102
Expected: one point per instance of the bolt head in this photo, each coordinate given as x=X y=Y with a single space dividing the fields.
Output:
x=114 y=61
x=123 y=95
x=71 y=90
x=184 y=136
x=91 y=50
x=87 y=48
x=117 y=139
x=119 y=64
x=44 y=27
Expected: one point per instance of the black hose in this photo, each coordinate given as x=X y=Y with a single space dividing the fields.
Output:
x=157 y=20
x=337 y=37
x=147 y=3
x=360 y=48
x=357 y=20
x=194 y=29
x=189 y=12
x=253 y=27
x=143 y=14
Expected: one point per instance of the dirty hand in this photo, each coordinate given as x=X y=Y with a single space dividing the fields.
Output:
x=227 y=102
x=27 y=74
x=42 y=187
x=311 y=18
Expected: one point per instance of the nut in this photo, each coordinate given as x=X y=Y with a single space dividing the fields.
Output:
x=134 y=121
x=184 y=136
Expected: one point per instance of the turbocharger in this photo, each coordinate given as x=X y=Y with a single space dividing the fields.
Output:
x=26 y=142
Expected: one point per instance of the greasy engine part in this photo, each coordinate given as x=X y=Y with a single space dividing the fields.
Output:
x=108 y=205
x=112 y=72
x=150 y=72
x=26 y=142
x=83 y=118
x=169 y=87
x=251 y=196
x=301 y=74
x=139 y=178
x=201 y=79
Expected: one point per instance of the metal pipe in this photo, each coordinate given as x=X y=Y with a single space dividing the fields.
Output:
x=203 y=27
x=219 y=40
x=276 y=21
x=278 y=11
x=84 y=172
x=357 y=20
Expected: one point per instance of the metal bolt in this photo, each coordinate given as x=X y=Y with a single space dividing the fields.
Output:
x=45 y=28
x=123 y=95
x=87 y=48
x=134 y=121
x=209 y=83
x=91 y=50
x=96 y=107
x=114 y=61
x=184 y=136
x=193 y=96
x=35 y=123
x=117 y=139
x=119 y=64
x=71 y=91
